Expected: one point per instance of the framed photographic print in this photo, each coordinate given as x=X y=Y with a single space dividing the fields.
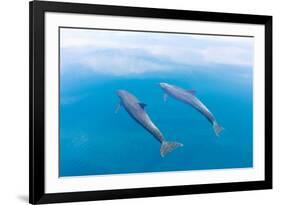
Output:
x=140 y=102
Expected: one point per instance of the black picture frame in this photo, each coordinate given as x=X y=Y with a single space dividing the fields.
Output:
x=37 y=10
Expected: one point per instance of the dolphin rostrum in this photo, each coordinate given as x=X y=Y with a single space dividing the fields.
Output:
x=136 y=110
x=188 y=97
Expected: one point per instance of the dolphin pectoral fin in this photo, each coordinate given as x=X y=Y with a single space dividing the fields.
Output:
x=142 y=105
x=117 y=107
x=165 y=97
x=167 y=147
x=193 y=92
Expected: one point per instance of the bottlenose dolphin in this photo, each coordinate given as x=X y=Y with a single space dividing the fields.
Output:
x=188 y=97
x=136 y=110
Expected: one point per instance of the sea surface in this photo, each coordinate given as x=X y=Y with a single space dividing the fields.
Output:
x=94 y=140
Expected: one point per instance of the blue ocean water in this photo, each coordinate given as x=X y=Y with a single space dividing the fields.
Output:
x=94 y=140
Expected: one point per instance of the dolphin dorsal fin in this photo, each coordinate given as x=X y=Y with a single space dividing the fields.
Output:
x=142 y=105
x=193 y=92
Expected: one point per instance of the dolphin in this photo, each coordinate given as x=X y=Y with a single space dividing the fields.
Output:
x=136 y=110
x=188 y=97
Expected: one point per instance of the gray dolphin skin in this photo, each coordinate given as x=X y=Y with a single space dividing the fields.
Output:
x=136 y=110
x=188 y=97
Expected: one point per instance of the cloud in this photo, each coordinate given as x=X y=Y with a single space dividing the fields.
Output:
x=120 y=62
x=227 y=55
x=124 y=53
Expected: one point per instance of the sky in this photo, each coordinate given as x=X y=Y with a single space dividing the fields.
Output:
x=123 y=53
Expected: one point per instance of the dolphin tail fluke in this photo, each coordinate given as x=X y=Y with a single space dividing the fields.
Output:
x=167 y=147
x=217 y=128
